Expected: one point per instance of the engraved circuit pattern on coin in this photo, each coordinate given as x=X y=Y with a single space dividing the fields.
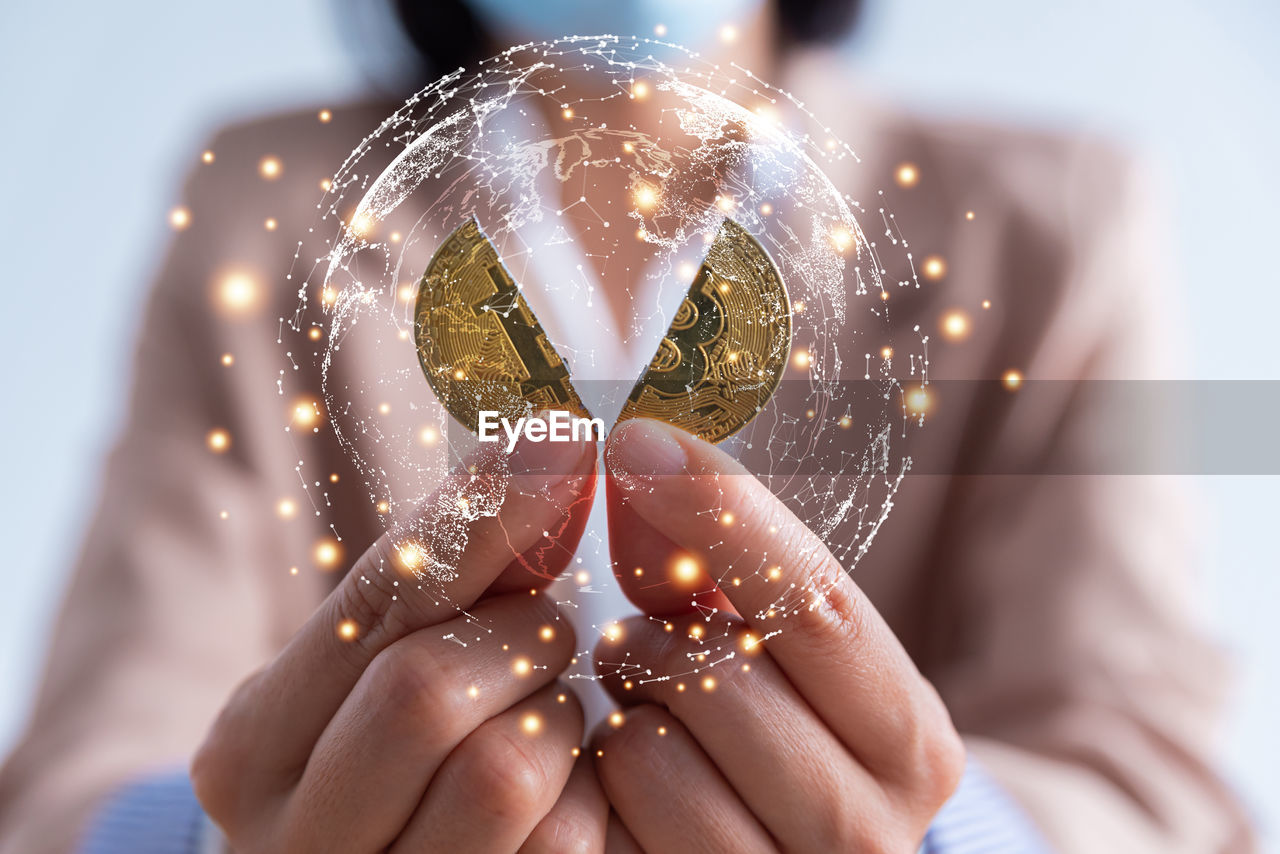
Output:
x=479 y=343
x=726 y=349
x=481 y=347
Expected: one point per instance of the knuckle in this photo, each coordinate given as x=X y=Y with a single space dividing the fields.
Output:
x=417 y=690
x=834 y=617
x=501 y=775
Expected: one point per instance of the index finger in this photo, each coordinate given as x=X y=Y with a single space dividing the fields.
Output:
x=781 y=578
x=380 y=600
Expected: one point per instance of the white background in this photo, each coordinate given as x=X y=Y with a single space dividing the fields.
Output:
x=104 y=106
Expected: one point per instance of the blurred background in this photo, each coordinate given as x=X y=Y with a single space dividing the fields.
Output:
x=106 y=106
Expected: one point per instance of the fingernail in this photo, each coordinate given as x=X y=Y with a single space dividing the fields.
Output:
x=554 y=460
x=646 y=448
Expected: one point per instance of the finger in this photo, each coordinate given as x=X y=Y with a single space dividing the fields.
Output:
x=658 y=576
x=577 y=823
x=501 y=781
x=782 y=760
x=666 y=791
x=276 y=717
x=830 y=641
x=618 y=840
x=417 y=701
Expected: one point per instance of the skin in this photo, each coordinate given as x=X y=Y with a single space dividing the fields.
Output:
x=373 y=739
x=824 y=737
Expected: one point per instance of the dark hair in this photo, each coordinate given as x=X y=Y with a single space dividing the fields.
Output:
x=446 y=33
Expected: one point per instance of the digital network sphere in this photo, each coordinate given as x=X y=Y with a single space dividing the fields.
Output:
x=601 y=171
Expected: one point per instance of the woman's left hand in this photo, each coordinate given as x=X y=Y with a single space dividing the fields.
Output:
x=780 y=712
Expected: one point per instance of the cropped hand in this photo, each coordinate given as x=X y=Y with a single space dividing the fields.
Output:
x=404 y=719
x=782 y=713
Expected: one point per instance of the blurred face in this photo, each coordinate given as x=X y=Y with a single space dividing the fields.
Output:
x=693 y=24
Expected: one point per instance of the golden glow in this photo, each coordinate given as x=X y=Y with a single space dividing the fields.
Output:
x=325 y=184
x=640 y=90
x=646 y=196
x=307 y=412
x=969 y=215
x=919 y=401
x=428 y=436
x=662 y=730
x=934 y=267
x=286 y=508
x=270 y=224
x=328 y=296
x=775 y=573
x=384 y=409
x=237 y=293
x=362 y=224
x=218 y=440
x=546 y=633
x=907 y=175
x=348 y=630
x=270 y=167
x=228 y=360
x=696 y=631
x=224 y=515
x=639 y=572
x=327 y=553
x=955 y=325
x=726 y=518
x=801 y=359
x=842 y=238
x=561 y=698
x=766 y=209
x=728 y=34
x=986 y=303
x=1012 y=380
x=473 y=692
x=405 y=292
x=293 y=570
x=685 y=569
x=521 y=666
x=207 y=157
x=628 y=148
x=886 y=353
x=383 y=507
x=616 y=720
x=395 y=237
x=409 y=556
x=726 y=203
x=531 y=723
x=708 y=683
x=314 y=333
x=660 y=30
x=613 y=632
x=179 y=218
x=582 y=577
x=324 y=116
x=567 y=112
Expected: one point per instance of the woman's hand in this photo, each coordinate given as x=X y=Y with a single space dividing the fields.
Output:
x=408 y=719
x=791 y=718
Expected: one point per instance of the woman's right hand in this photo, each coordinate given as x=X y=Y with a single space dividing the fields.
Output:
x=411 y=717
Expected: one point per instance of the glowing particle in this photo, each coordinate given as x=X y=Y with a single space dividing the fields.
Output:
x=546 y=633
x=918 y=401
x=428 y=436
x=567 y=112
x=314 y=333
x=646 y=196
x=775 y=572
x=270 y=224
x=395 y=237
x=907 y=175
x=613 y=632
x=224 y=515
x=473 y=692
x=227 y=360
x=327 y=553
x=531 y=723
x=708 y=684
x=293 y=570
x=616 y=720
x=680 y=686
x=726 y=518
x=179 y=218
x=660 y=29
x=639 y=572
x=307 y=412
x=696 y=631
x=801 y=359
x=1012 y=380
x=348 y=630
x=728 y=34
x=521 y=666
x=685 y=569
x=207 y=157
x=582 y=577
x=383 y=507
x=662 y=730
x=766 y=209
x=845 y=422
x=726 y=203
x=409 y=556
x=640 y=90
x=324 y=116
x=562 y=698
x=325 y=184
x=955 y=325
x=969 y=215
x=270 y=167
x=333 y=478
x=286 y=508
x=842 y=238
x=986 y=303
x=384 y=409
x=218 y=440
x=237 y=293
x=934 y=267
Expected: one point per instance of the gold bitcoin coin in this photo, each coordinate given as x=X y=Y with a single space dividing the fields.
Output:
x=726 y=349
x=479 y=343
x=482 y=348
